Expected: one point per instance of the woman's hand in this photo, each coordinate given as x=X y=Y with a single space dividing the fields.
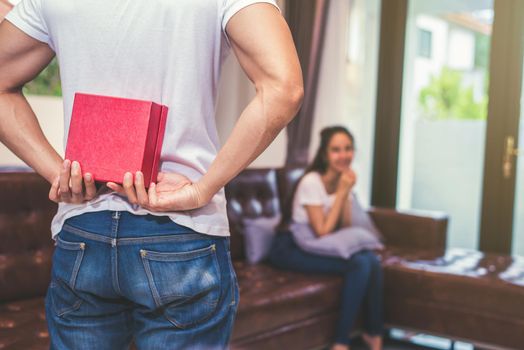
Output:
x=173 y=192
x=70 y=187
x=347 y=180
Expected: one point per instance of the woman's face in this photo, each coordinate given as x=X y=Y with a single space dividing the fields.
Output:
x=340 y=152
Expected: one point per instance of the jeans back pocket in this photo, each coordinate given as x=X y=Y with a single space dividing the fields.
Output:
x=67 y=259
x=185 y=285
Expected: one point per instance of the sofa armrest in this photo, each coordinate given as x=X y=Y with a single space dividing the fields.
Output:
x=412 y=229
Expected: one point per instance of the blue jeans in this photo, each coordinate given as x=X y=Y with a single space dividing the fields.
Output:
x=118 y=277
x=362 y=282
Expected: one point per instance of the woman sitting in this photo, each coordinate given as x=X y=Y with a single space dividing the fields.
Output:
x=323 y=200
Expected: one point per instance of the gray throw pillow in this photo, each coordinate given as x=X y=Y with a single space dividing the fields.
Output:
x=342 y=243
x=258 y=237
x=361 y=218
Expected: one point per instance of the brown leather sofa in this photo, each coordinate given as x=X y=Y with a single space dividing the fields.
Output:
x=457 y=293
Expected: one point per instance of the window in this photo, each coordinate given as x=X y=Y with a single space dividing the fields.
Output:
x=424 y=43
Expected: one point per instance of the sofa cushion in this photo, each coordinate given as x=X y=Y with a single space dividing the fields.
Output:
x=462 y=294
x=462 y=278
x=272 y=298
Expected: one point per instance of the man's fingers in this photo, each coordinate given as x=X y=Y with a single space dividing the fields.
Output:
x=76 y=183
x=129 y=188
x=90 y=186
x=140 y=188
x=65 y=172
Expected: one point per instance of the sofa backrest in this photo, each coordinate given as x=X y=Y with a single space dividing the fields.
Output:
x=287 y=179
x=256 y=193
x=252 y=194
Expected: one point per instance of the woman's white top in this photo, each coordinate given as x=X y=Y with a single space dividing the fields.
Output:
x=311 y=191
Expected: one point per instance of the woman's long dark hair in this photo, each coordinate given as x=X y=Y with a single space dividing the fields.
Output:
x=319 y=164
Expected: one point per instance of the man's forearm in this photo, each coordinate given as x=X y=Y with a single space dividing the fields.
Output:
x=21 y=133
x=260 y=122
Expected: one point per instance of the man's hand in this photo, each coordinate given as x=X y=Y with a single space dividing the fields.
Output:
x=173 y=192
x=70 y=187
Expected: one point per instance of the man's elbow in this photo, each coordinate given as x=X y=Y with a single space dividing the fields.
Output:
x=292 y=89
x=296 y=96
x=284 y=96
x=291 y=97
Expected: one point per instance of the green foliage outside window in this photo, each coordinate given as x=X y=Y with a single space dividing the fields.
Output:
x=482 y=46
x=445 y=98
x=46 y=83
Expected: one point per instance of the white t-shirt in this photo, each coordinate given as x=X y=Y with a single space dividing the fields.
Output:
x=169 y=52
x=311 y=191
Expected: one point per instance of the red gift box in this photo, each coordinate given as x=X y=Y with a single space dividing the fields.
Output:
x=110 y=136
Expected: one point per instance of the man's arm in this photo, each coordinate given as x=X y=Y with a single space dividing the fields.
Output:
x=22 y=58
x=262 y=42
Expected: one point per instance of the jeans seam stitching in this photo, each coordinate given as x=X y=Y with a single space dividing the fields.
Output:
x=76 y=268
x=174 y=237
x=75 y=306
x=86 y=234
x=114 y=272
x=115 y=221
x=179 y=256
x=156 y=296
x=232 y=273
x=68 y=245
